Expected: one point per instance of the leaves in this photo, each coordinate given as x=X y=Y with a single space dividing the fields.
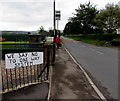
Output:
x=83 y=21
x=88 y=19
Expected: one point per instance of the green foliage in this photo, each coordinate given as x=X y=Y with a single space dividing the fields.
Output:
x=83 y=21
x=108 y=18
x=41 y=29
x=115 y=42
x=106 y=37
x=20 y=47
x=98 y=39
x=88 y=19
x=15 y=37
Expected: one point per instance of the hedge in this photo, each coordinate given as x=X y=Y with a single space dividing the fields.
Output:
x=16 y=37
x=20 y=47
x=100 y=37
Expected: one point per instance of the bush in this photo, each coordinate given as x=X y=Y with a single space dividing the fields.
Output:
x=115 y=42
x=15 y=37
x=106 y=37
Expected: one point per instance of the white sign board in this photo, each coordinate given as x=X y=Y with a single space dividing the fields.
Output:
x=57 y=15
x=50 y=39
x=14 y=60
x=118 y=31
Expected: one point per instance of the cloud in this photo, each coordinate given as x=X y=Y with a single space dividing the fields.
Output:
x=31 y=14
x=27 y=14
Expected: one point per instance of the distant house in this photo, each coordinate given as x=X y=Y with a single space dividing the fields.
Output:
x=44 y=34
x=35 y=38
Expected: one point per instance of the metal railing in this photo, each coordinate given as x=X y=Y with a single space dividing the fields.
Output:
x=15 y=78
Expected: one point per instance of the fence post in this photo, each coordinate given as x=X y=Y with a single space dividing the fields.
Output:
x=54 y=52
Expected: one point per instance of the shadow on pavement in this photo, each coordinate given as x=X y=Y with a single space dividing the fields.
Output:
x=31 y=93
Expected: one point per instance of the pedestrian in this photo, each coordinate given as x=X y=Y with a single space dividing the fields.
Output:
x=57 y=41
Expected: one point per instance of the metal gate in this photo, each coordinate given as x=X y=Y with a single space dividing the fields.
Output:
x=15 y=78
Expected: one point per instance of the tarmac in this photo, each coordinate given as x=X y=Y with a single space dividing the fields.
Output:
x=31 y=93
x=66 y=82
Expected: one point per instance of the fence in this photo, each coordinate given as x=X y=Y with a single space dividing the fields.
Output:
x=15 y=78
x=20 y=47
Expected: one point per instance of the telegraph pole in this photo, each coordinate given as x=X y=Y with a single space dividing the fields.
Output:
x=54 y=25
x=56 y=16
x=54 y=22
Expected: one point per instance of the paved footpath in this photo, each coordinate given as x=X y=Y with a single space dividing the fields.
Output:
x=31 y=93
x=68 y=81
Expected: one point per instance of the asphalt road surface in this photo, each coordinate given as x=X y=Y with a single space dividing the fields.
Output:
x=101 y=62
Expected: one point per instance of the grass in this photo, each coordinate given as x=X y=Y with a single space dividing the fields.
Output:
x=15 y=42
x=14 y=46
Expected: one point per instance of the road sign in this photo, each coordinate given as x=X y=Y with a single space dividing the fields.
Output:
x=57 y=15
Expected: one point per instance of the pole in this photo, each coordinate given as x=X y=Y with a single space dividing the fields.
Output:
x=54 y=24
x=57 y=27
x=57 y=24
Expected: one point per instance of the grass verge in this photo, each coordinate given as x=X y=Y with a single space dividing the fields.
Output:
x=91 y=41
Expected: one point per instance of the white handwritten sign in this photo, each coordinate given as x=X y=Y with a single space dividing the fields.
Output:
x=14 y=60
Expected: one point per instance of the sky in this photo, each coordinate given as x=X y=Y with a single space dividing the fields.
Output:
x=29 y=15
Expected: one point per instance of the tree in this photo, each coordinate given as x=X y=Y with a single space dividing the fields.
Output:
x=41 y=29
x=67 y=29
x=108 y=18
x=84 y=19
x=51 y=31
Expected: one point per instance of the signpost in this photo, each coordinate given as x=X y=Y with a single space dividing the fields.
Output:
x=57 y=15
x=14 y=60
x=57 y=18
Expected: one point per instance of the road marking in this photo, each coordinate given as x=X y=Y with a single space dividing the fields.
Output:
x=96 y=51
x=50 y=83
x=88 y=78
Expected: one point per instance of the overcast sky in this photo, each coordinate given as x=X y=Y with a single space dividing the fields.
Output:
x=29 y=15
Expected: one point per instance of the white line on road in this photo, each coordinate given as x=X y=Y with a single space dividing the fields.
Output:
x=88 y=78
x=96 y=51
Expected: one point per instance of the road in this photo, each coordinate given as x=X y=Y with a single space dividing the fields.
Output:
x=100 y=62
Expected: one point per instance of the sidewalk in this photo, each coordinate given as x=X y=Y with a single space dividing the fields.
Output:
x=68 y=81
x=31 y=93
